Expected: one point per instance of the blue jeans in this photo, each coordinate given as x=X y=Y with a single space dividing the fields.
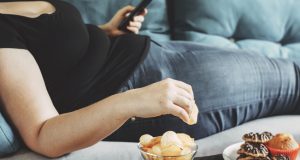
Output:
x=231 y=87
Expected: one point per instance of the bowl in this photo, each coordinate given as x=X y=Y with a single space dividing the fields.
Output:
x=151 y=156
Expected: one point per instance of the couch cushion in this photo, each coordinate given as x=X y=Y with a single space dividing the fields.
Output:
x=101 y=11
x=208 y=146
x=8 y=141
x=268 y=27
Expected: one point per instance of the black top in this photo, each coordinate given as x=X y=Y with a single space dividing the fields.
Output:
x=76 y=60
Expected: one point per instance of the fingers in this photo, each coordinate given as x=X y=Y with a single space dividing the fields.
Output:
x=188 y=88
x=139 y=19
x=179 y=112
x=185 y=86
x=179 y=96
x=183 y=99
x=126 y=10
x=137 y=25
x=184 y=93
x=129 y=9
x=145 y=12
x=183 y=102
x=133 y=29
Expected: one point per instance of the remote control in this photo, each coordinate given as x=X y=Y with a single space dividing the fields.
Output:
x=138 y=10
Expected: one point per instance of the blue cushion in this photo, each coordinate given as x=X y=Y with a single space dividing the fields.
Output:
x=101 y=11
x=8 y=141
x=270 y=27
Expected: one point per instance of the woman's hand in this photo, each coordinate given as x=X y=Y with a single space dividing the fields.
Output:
x=134 y=26
x=166 y=97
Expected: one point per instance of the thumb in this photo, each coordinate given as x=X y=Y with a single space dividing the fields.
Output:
x=126 y=10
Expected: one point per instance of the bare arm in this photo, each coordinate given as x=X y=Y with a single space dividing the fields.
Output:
x=29 y=106
x=36 y=118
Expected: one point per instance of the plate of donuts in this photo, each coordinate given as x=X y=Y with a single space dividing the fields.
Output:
x=263 y=146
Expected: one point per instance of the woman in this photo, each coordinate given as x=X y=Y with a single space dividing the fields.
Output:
x=66 y=85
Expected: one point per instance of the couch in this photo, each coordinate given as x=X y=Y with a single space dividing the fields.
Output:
x=267 y=27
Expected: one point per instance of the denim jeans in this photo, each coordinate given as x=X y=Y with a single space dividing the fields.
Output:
x=231 y=87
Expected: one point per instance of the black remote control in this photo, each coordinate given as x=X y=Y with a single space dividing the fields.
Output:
x=138 y=10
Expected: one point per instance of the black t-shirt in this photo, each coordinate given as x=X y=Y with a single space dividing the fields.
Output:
x=77 y=60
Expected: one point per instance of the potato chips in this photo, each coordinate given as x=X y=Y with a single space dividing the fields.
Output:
x=169 y=146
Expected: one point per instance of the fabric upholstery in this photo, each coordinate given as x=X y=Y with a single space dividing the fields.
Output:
x=270 y=27
x=208 y=146
x=8 y=141
x=101 y=11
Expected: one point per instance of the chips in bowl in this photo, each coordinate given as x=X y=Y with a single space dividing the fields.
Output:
x=169 y=146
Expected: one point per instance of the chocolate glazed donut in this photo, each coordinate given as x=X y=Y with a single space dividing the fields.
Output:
x=258 y=137
x=254 y=150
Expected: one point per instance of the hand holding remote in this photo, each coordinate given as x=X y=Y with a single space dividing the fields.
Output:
x=137 y=11
x=112 y=27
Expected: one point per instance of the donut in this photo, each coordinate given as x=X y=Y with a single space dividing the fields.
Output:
x=254 y=149
x=258 y=137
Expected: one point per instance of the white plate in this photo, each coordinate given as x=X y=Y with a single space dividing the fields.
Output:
x=230 y=153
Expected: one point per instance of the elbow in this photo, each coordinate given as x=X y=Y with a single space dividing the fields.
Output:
x=51 y=154
x=47 y=152
x=44 y=149
x=41 y=144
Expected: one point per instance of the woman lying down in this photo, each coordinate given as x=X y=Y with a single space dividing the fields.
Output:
x=66 y=85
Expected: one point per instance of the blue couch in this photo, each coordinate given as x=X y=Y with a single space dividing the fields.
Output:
x=268 y=27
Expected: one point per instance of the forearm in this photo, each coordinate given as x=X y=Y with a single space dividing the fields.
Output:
x=82 y=128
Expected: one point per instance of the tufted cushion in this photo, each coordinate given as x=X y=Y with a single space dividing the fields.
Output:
x=270 y=27
x=101 y=11
x=8 y=141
